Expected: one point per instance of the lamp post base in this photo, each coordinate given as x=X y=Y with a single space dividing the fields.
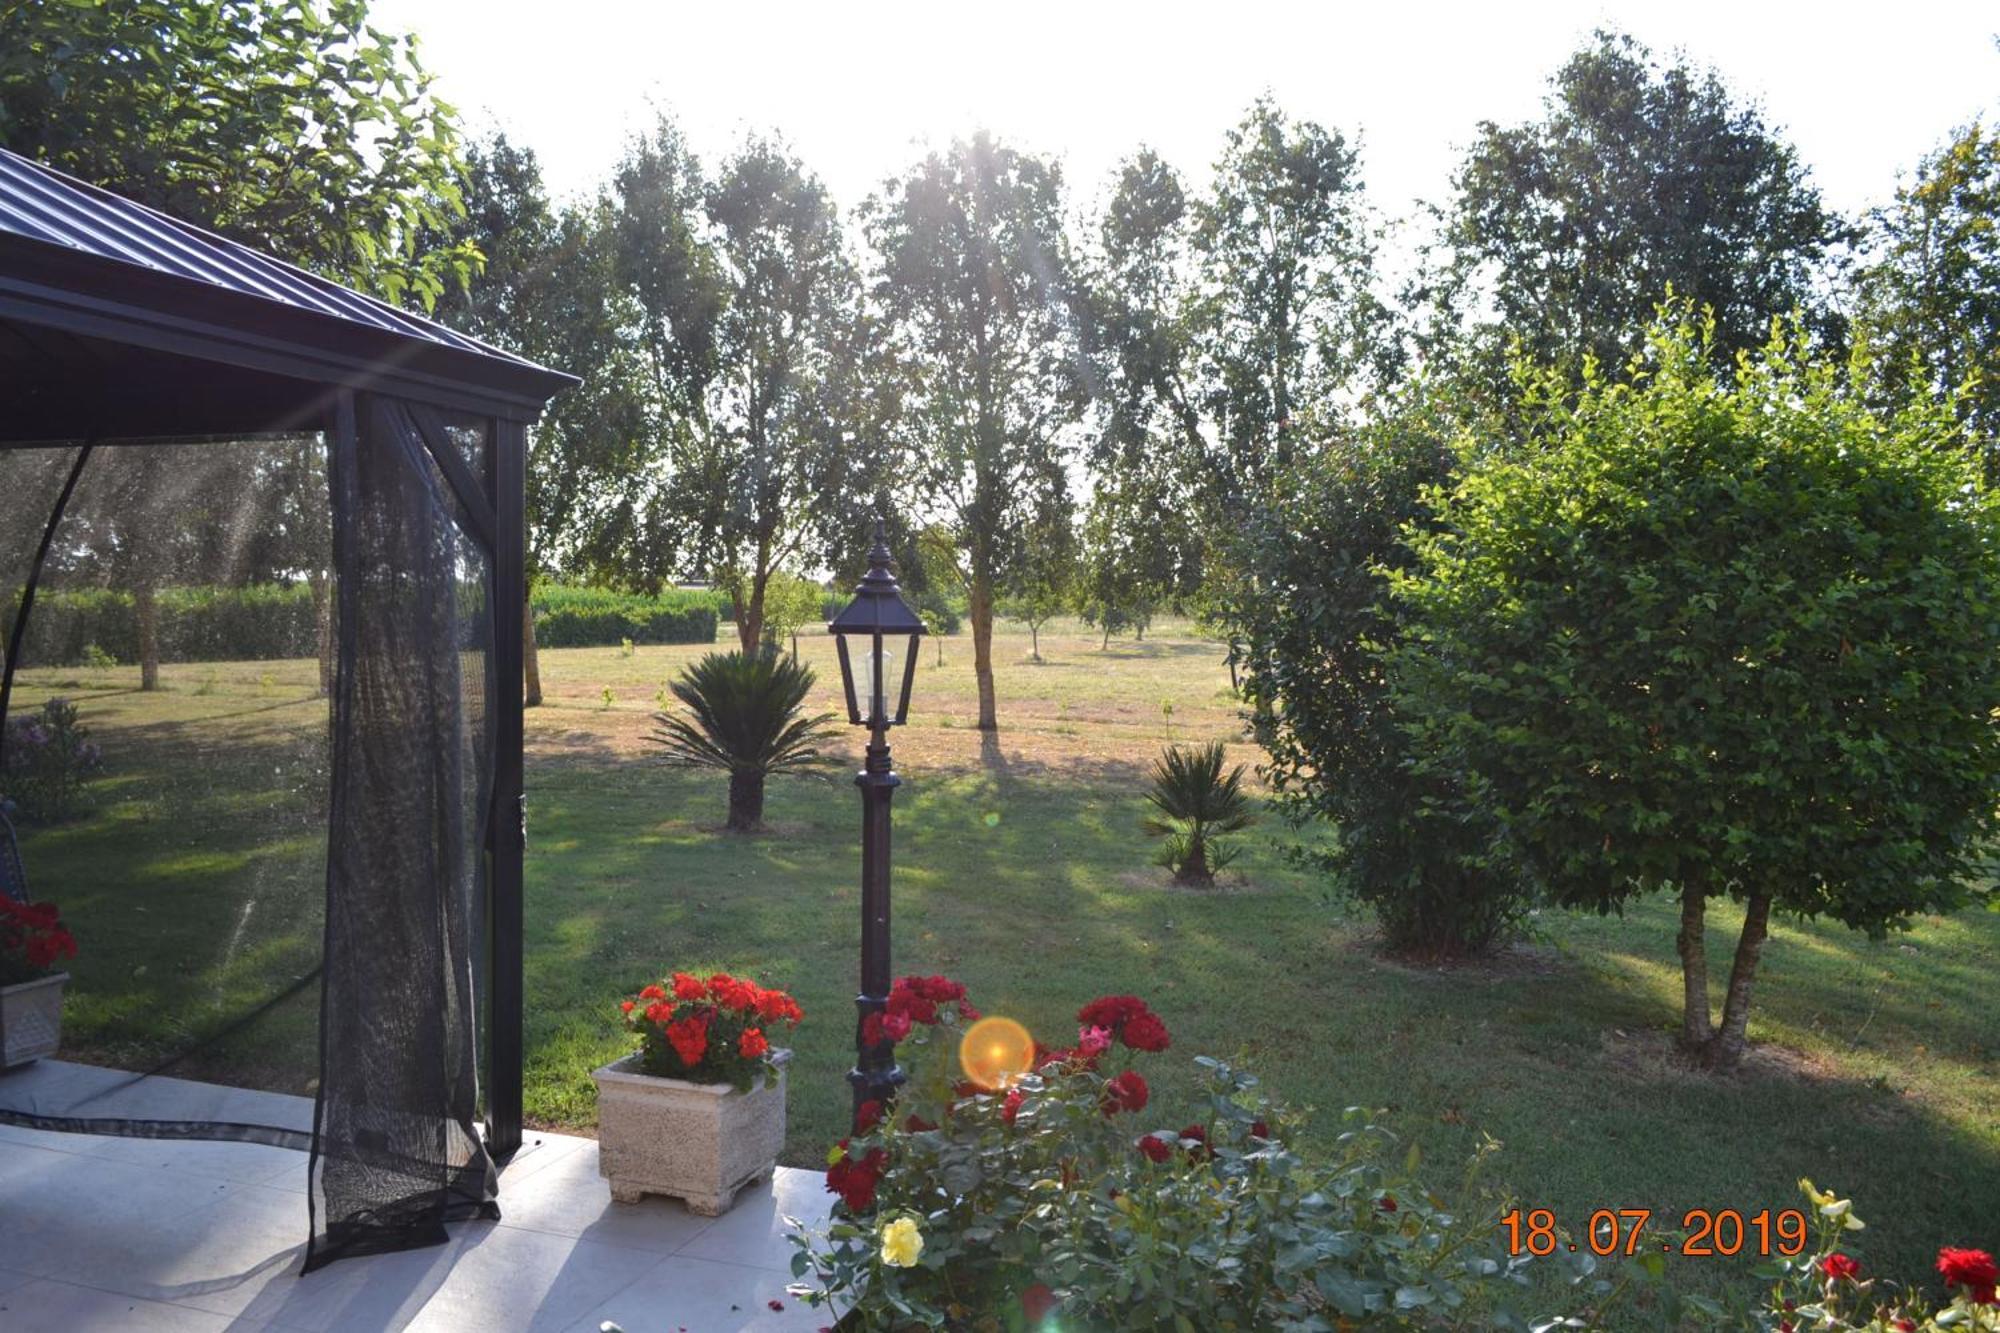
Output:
x=874 y=1085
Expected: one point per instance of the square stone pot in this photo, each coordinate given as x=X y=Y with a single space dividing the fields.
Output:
x=699 y=1142
x=31 y=1019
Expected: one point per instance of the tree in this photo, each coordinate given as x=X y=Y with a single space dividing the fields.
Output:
x=1309 y=620
x=790 y=604
x=1718 y=639
x=1637 y=178
x=298 y=129
x=972 y=282
x=549 y=291
x=746 y=722
x=1039 y=589
x=771 y=448
x=1139 y=552
x=1930 y=297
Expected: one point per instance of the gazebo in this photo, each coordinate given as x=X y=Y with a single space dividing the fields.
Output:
x=127 y=335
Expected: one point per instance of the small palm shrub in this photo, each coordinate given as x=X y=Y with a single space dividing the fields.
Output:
x=743 y=719
x=1196 y=804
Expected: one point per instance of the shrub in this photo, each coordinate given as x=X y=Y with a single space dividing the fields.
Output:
x=1737 y=638
x=716 y=1030
x=602 y=618
x=1308 y=622
x=1068 y=1196
x=49 y=758
x=1196 y=803
x=746 y=722
x=99 y=626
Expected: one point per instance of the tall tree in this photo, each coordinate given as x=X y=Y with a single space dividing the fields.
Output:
x=1930 y=295
x=549 y=291
x=299 y=129
x=973 y=282
x=771 y=448
x=1567 y=231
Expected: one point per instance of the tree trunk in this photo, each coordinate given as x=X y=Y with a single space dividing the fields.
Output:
x=146 y=606
x=1195 y=869
x=746 y=801
x=1034 y=642
x=750 y=621
x=322 y=595
x=1725 y=1049
x=1693 y=946
x=982 y=650
x=531 y=658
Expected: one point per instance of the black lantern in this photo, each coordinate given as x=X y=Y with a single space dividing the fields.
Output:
x=884 y=632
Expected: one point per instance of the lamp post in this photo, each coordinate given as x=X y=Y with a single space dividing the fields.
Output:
x=884 y=632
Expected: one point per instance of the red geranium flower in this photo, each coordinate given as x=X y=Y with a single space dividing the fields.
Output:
x=752 y=1044
x=689 y=1038
x=626 y=1005
x=688 y=988
x=652 y=992
x=1972 y=1269
x=1155 y=1147
x=1145 y=1032
x=1037 y=1302
x=1837 y=1266
x=1127 y=1092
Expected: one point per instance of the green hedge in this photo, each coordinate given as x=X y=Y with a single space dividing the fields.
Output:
x=599 y=617
x=262 y=621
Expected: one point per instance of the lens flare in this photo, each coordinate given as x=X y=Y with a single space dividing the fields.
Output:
x=996 y=1051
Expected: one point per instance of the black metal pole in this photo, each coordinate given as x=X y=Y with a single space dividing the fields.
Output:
x=875 y=1076
x=507 y=830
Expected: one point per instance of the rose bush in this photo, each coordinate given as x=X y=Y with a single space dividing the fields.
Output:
x=707 y=1030
x=1071 y=1195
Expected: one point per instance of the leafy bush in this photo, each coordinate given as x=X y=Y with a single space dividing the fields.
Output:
x=603 y=618
x=1196 y=803
x=98 y=626
x=49 y=758
x=746 y=722
x=1308 y=623
x=1737 y=638
x=1068 y=1197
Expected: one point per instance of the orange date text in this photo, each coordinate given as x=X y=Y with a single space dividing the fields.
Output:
x=1705 y=1232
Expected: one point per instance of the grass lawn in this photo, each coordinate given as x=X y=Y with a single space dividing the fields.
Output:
x=1020 y=869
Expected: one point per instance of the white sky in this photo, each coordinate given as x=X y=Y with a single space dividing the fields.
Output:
x=1863 y=90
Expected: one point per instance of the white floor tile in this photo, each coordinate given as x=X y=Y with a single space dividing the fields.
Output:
x=754 y=1232
x=568 y=1197
x=59 y=1307
x=685 y=1295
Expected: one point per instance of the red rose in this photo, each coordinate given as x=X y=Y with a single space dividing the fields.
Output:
x=1971 y=1269
x=896 y=1026
x=916 y=1124
x=1155 y=1148
x=1387 y=1203
x=1199 y=1136
x=966 y=1013
x=1037 y=1302
x=1011 y=1107
x=1837 y=1266
x=854 y=1180
x=1111 y=1011
x=688 y=988
x=1145 y=1032
x=689 y=1038
x=867 y=1116
x=1905 y=1324
x=752 y=1044
x=1259 y=1130
x=1092 y=1042
x=1127 y=1092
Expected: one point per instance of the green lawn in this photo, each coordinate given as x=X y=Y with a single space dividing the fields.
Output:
x=1020 y=869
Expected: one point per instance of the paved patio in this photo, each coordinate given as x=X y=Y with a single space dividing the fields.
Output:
x=185 y=1237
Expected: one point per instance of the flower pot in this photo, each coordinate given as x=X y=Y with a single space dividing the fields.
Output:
x=699 y=1142
x=31 y=1019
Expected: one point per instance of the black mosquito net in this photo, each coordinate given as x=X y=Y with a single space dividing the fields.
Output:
x=248 y=745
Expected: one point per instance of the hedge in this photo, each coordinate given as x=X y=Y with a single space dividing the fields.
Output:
x=599 y=617
x=197 y=624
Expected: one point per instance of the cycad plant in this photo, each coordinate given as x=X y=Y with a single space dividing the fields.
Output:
x=743 y=718
x=1196 y=804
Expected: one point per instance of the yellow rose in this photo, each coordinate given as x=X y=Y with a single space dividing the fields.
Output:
x=901 y=1243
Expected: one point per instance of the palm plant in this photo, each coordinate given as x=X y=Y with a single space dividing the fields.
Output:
x=743 y=719
x=1196 y=803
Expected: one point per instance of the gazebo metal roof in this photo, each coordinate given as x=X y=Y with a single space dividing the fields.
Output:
x=81 y=268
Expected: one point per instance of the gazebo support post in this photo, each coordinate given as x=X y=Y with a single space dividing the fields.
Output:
x=508 y=828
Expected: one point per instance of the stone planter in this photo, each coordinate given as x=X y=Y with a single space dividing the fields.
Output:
x=31 y=1019
x=699 y=1142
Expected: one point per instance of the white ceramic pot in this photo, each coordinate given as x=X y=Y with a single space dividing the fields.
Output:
x=699 y=1142
x=31 y=1019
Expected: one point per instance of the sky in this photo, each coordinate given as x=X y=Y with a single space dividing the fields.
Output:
x=861 y=90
